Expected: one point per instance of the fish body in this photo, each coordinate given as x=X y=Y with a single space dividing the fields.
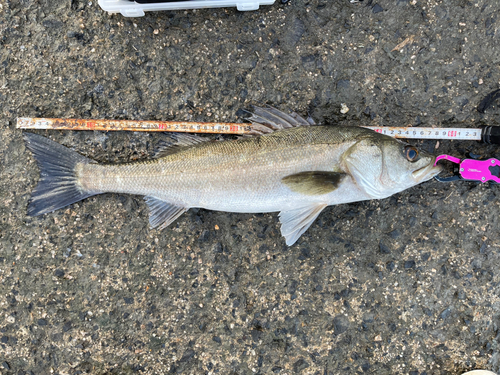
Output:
x=237 y=176
x=297 y=171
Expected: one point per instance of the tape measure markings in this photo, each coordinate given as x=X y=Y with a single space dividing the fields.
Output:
x=130 y=125
x=228 y=128
x=429 y=133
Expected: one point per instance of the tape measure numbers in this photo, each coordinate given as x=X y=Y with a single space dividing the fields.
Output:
x=487 y=134
x=129 y=125
x=429 y=133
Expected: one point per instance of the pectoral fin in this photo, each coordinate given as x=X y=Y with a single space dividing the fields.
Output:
x=162 y=213
x=295 y=222
x=314 y=183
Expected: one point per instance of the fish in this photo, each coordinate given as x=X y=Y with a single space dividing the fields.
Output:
x=289 y=166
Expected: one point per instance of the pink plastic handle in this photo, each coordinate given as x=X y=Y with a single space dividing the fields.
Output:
x=475 y=170
x=479 y=170
x=447 y=157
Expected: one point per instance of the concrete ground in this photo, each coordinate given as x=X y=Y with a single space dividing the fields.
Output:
x=405 y=285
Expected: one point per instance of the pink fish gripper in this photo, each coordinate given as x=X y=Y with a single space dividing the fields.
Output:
x=471 y=169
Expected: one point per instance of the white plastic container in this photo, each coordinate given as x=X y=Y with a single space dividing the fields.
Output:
x=133 y=9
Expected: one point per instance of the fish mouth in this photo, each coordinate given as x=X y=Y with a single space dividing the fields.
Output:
x=427 y=172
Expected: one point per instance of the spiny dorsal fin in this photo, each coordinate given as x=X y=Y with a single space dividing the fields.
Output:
x=269 y=119
x=177 y=142
x=295 y=222
x=314 y=183
x=161 y=213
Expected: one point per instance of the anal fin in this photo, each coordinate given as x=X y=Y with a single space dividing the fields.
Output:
x=295 y=222
x=162 y=213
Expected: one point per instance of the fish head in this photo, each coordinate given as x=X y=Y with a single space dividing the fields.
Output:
x=383 y=166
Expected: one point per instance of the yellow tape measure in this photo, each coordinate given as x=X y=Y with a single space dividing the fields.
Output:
x=136 y=126
x=228 y=128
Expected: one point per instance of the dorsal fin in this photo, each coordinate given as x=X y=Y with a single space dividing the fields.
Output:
x=177 y=142
x=268 y=119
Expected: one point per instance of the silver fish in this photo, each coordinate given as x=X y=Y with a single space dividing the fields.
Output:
x=297 y=170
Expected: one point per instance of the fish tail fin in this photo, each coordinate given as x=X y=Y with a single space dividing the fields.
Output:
x=58 y=185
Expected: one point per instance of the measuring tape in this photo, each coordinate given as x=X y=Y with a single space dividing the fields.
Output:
x=429 y=133
x=136 y=126
x=487 y=134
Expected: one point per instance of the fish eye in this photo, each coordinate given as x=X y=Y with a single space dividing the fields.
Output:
x=411 y=153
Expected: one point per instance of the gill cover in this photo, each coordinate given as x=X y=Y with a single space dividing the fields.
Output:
x=383 y=166
x=364 y=161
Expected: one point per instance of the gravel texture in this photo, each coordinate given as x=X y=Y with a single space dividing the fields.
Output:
x=405 y=285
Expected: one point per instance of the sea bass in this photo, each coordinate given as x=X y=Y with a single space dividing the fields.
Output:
x=296 y=171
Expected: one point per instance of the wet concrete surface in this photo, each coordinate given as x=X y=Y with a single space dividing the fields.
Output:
x=405 y=285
